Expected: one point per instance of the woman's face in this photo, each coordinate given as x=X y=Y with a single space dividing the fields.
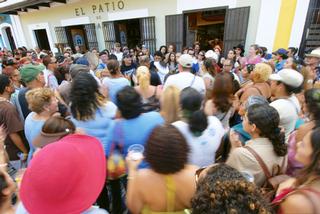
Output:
x=231 y=55
x=246 y=124
x=170 y=48
x=163 y=50
x=244 y=72
x=16 y=76
x=252 y=51
x=304 y=150
x=53 y=105
x=289 y=63
x=172 y=57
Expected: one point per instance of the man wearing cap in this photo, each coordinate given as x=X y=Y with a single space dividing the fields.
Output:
x=104 y=57
x=15 y=141
x=281 y=56
x=185 y=78
x=32 y=76
x=283 y=86
x=312 y=61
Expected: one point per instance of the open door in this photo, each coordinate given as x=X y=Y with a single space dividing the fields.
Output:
x=174 y=31
x=109 y=35
x=236 y=25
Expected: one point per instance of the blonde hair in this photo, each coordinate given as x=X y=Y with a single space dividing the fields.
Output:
x=143 y=76
x=170 y=104
x=262 y=71
x=38 y=98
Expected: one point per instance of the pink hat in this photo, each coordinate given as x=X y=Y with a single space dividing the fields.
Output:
x=64 y=177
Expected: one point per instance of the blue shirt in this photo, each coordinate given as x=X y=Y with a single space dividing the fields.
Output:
x=134 y=131
x=279 y=65
x=32 y=129
x=99 y=125
x=114 y=85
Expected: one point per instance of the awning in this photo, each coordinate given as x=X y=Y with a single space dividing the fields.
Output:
x=29 y=4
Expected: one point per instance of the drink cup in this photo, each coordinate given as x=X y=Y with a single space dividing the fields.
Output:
x=135 y=152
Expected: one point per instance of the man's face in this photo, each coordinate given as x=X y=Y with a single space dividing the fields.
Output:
x=312 y=61
x=104 y=58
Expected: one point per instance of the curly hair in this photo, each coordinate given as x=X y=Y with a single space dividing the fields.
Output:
x=224 y=190
x=222 y=92
x=267 y=119
x=314 y=168
x=166 y=150
x=38 y=98
x=261 y=72
x=85 y=97
x=312 y=99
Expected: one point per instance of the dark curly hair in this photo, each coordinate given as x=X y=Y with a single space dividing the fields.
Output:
x=224 y=190
x=267 y=119
x=85 y=97
x=312 y=99
x=314 y=168
x=166 y=150
x=129 y=102
x=190 y=101
x=222 y=92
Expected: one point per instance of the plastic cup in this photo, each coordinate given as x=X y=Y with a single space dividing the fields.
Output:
x=248 y=176
x=135 y=151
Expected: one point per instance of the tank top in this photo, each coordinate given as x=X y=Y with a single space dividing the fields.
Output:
x=171 y=198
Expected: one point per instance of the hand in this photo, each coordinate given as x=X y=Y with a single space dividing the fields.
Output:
x=133 y=164
x=234 y=139
x=286 y=184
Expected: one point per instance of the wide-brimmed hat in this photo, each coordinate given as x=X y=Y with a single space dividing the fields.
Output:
x=44 y=139
x=289 y=77
x=314 y=53
x=64 y=177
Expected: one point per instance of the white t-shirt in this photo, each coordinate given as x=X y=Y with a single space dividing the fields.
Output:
x=119 y=56
x=203 y=148
x=186 y=79
x=288 y=110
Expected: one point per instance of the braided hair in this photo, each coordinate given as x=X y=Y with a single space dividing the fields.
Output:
x=266 y=119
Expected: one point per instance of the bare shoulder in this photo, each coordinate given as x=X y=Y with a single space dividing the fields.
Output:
x=297 y=203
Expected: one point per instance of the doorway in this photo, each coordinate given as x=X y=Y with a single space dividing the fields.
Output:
x=42 y=39
x=128 y=32
x=204 y=26
x=10 y=38
x=77 y=36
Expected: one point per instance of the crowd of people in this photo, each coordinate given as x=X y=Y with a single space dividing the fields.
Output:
x=216 y=134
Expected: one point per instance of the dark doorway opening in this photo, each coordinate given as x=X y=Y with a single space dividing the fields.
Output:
x=42 y=39
x=77 y=36
x=10 y=38
x=204 y=26
x=128 y=32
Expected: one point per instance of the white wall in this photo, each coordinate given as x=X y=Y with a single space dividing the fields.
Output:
x=298 y=23
x=268 y=22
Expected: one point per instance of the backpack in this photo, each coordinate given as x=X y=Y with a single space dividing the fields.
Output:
x=269 y=188
x=116 y=165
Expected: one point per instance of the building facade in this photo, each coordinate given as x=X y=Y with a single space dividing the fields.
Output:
x=101 y=23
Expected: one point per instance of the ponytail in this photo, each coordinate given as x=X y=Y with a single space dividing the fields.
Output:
x=113 y=66
x=266 y=118
x=143 y=77
x=198 y=122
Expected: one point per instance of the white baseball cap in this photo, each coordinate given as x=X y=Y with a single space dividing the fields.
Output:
x=212 y=54
x=289 y=77
x=185 y=60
